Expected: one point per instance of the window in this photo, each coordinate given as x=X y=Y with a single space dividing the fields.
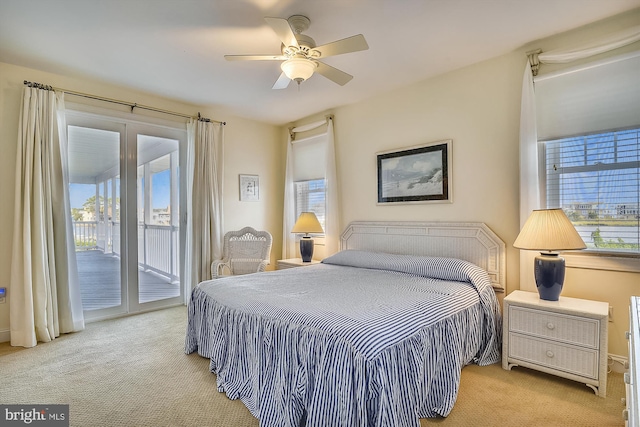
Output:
x=310 y=197
x=588 y=125
x=595 y=179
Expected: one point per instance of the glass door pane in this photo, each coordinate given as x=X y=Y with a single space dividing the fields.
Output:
x=94 y=170
x=125 y=202
x=158 y=216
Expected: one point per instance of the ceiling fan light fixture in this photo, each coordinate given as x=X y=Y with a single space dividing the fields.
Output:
x=298 y=69
x=300 y=54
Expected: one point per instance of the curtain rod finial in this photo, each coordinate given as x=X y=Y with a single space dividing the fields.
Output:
x=534 y=62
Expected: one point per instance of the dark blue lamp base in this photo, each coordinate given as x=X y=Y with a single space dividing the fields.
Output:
x=306 y=249
x=549 y=272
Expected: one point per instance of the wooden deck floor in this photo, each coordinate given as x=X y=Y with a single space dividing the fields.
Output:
x=99 y=276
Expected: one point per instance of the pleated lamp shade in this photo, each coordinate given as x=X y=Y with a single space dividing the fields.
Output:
x=548 y=230
x=307 y=223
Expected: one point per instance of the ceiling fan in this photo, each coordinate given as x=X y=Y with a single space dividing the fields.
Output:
x=300 y=55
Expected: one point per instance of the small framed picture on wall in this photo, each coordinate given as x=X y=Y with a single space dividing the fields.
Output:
x=249 y=188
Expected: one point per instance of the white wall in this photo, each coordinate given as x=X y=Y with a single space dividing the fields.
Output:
x=472 y=108
x=250 y=147
x=255 y=149
x=478 y=107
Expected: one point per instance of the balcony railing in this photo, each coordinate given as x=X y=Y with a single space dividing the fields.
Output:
x=158 y=249
x=158 y=245
x=85 y=234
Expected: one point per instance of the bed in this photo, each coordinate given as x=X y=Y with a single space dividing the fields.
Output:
x=375 y=335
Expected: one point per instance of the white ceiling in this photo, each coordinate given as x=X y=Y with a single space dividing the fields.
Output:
x=175 y=48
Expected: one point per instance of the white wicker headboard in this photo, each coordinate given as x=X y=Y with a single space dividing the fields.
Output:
x=470 y=241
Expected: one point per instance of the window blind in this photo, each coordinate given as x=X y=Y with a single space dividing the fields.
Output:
x=309 y=158
x=310 y=197
x=595 y=98
x=309 y=164
x=596 y=180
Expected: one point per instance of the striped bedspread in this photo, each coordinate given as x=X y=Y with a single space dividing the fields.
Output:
x=362 y=339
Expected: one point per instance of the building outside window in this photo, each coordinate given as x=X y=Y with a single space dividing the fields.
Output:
x=595 y=179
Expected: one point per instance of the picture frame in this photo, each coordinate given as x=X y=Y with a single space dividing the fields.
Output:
x=249 y=188
x=418 y=174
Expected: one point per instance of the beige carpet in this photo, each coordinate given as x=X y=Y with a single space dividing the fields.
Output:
x=133 y=372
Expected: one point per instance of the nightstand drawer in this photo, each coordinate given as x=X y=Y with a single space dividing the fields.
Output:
x=567 y=358
x=567 y=337
x=570 y=329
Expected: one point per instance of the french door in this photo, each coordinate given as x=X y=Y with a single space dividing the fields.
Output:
x=125 y=196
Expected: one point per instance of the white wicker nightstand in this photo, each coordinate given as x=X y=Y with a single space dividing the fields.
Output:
x=567 y=338
x=294 y=262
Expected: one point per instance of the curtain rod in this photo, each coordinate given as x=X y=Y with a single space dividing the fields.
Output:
x=587 y=66
x=308 y=127
x=120 y=102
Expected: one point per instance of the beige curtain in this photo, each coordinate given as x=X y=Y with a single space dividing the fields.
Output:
x=44 y=289
x=288 y=217
x=332 y=214
x=205 y=159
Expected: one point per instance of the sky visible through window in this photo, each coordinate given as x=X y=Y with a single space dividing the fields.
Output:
x=599 y=169
x=595 y=179
x=79 y=193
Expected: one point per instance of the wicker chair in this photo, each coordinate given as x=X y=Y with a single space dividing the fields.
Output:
x=244 y=251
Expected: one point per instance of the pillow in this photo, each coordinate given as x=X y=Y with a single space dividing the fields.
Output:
x=426 y=266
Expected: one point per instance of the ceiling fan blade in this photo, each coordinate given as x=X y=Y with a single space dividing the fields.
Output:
x=283 y=30
x=350 y=44
x=333 y=74
x=255 y=57
x=282 y=82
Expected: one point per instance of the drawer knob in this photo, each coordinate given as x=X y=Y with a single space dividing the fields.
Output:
x=550 y=353
x=551 y=326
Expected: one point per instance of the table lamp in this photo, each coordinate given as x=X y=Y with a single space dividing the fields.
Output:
x=549 y=231
x=307 y=223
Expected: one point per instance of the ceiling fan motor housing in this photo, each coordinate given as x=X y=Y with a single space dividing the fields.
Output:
x=305 y=47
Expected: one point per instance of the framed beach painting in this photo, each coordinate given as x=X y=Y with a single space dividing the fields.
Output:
x=415 y=174
x=249 y=188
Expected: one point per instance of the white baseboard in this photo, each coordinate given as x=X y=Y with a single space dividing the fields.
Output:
x=5 y=335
